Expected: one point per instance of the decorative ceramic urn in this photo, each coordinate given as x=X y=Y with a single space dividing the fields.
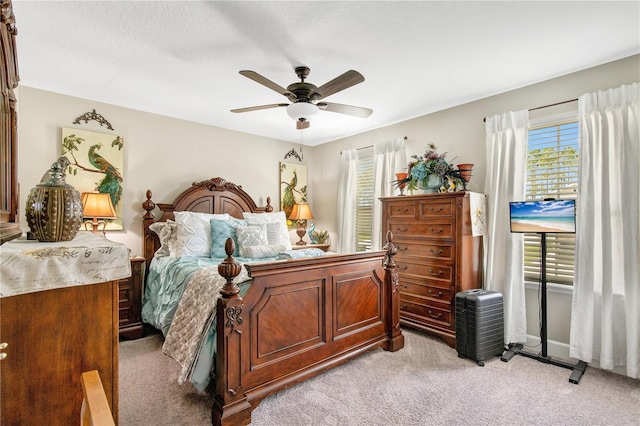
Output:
x=54 y=208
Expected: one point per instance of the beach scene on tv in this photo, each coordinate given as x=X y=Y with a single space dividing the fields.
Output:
x=556 y=216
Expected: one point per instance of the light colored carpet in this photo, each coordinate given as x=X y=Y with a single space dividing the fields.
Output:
x=426 y=383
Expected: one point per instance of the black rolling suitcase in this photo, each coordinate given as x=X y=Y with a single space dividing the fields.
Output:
x=479 y=324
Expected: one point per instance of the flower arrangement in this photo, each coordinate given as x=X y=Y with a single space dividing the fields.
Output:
x=432 y=170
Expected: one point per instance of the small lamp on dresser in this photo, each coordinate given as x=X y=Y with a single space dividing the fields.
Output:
x=97 y=205
x=300 y=213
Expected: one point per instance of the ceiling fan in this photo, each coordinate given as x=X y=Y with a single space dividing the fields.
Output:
x=304 y=96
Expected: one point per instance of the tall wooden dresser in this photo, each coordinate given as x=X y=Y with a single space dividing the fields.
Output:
x=438 y=256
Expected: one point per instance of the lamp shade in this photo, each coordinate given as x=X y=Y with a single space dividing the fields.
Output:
x=98 y=204
x=300 y=110
x=301 y=212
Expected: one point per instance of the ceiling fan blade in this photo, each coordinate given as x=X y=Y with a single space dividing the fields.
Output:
x=302 y=125
x=256 y=108
x=345 y=109
x=344 y=81
x=268 y=83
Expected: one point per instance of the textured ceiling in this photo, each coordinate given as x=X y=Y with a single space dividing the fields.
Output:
x=181 y=59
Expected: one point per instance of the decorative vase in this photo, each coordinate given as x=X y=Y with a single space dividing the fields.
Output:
x=54 y=208
x=312 y=236
x=401 y=176
x=465 y=171
x=430 y=185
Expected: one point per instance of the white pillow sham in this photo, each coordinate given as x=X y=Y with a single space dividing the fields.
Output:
x=194 y=232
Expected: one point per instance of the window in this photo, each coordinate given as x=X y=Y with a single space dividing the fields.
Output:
x=364 y=200
x=552 y=172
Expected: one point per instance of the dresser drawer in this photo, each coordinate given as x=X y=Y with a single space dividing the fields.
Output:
x=433 y=229
x=403 y=209
x=437 y=208
x=424 y=249
x=425 y=271
x=438 y=294
x=425 y=313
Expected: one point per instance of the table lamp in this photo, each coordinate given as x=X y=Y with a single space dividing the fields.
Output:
x=300 y=213
x=97 y=205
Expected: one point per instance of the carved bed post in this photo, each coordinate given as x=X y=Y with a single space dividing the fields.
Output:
x=395 y=339
x=147 y=233
x=230 y=405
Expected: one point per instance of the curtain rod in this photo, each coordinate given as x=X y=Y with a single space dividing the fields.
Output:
x=371 y=146
x=546 y=106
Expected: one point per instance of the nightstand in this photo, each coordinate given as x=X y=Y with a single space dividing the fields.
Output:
x=130 y=300
x=323 y=247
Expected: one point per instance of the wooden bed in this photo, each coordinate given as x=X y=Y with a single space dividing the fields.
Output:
x=299 y=317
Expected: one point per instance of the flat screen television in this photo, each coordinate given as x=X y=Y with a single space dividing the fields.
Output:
x=538 y=216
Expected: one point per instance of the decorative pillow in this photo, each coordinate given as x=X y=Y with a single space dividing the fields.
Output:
x=168 y=234
x=260 y=252
x=251 y=235
x=194 y=232
x=279 y=235
x=299 y=254
x=220 y=231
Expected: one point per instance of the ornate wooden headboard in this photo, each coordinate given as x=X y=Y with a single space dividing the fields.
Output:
x=215 y=195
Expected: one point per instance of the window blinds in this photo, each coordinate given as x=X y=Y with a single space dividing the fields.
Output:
x=364 y=200
x=552 y=172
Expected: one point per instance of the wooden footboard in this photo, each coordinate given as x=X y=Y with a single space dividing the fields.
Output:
x=299 y=318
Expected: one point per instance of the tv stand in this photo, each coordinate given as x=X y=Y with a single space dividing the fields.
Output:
x=517 y=348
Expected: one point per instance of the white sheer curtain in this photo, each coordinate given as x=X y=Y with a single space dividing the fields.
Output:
x=389 y=158
x=605 y=316
x=347 y=201
x=504 y=251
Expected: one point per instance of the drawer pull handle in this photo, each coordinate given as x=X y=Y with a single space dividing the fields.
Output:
x=403 y=248
x=404 y=285
x=398 y=229
x=433 y=273
x=434 y=231
x=404 y=306
x=437 y=252
x=436 y=210
x=403 y=268
x=403 y=210
x=436 y=316
x=434 y=294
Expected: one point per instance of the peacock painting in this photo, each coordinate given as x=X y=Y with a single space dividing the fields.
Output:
x=95 y=164
x=293 y=187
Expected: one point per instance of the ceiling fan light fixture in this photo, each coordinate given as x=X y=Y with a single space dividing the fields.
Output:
x=302 y=110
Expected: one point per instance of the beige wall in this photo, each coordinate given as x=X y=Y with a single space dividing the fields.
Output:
x=460 y=132
x=162 y=154
x=165 y=154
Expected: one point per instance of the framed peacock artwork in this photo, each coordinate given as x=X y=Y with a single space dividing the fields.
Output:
x=293 y=187
x=96 y=164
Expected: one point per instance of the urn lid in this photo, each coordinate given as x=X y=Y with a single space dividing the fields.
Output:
x=55 y=176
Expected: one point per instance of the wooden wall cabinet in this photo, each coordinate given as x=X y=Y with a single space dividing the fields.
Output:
x=9 y=219
x=437 y=257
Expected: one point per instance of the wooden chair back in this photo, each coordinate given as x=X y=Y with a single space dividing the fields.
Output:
x=95 y=406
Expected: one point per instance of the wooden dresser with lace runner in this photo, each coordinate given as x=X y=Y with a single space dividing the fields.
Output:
x=438 y=256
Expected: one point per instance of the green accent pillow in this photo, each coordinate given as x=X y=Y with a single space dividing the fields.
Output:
x=220 y=231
